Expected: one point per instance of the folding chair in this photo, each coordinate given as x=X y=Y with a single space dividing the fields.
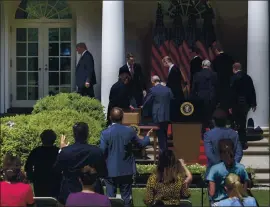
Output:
x=117 y=202
x=185 y=203
x=46 y=202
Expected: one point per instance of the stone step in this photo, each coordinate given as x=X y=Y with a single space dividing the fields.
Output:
x=263 y=142
x=256 y=161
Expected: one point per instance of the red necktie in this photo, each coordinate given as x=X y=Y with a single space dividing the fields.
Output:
x=131 y=70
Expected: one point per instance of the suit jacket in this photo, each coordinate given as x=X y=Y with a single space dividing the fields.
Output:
x=71 y=160
x=119 y=96
x=116 y=143
x=158 y=100
x=211 y=144
x=242 y=90
x=222 y=65
x=195 y=66
x=85 y=70
x=204 y=86
x=174 y=82
x=137 y=84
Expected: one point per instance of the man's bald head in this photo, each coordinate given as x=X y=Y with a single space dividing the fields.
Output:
x=236 y=67
x=116 y=115
x=155 y=79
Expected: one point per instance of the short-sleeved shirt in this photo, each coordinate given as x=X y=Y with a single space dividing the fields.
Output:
x=87 y=199
x=218 y=173
x=16 y=194
x=247 y=201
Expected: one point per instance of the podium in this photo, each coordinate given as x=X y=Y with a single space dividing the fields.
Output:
x=186 y=132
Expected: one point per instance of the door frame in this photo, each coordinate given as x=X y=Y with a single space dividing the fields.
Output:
x=41 y=25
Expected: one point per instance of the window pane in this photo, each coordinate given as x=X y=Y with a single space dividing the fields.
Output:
x=65 y=49
x=65 y=90
x=65 y=64
x=21 y=78
x=33 y=64
x=33 y=79
x=54 y=64
x=21 y=64
x=21 y=93
x=53 y=90
x=32 y=34
x=32 y=93
x=53 y=34
x=21 y=35
x=53 y=49
x=53 y=78
x=21 y=49
x=65 y=34
x=32 y=49
x=65 y=78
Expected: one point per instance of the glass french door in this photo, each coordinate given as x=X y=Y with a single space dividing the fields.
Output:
x=43 y=60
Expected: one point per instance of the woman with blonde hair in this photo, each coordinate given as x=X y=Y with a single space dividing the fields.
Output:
x=237 y=196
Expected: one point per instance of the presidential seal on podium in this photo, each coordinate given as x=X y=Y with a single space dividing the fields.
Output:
x=187 y=108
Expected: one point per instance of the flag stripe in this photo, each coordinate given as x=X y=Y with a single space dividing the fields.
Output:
x=156 y=54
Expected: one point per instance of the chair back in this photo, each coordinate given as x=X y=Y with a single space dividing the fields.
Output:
x=46 y=202
x=117 y=202
x=185 y=203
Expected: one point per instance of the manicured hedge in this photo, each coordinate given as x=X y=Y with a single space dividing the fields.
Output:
x=73 y=101
x=20 y=134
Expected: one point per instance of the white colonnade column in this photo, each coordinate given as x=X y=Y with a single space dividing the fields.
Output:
x=258 y=58
x=113 y=46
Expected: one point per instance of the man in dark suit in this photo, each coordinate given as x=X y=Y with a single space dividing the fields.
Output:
x=195 y=65
x=203 y=91
x=85 y=72
x=137 y=83
x=120 y=95
x=175 y=82
x=116 y=143
x=158 y=99
x=222 y=65
x=242 y=99
x=73 y=158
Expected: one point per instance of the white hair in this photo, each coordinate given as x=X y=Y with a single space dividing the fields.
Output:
x=206 y=64
x=155 y=79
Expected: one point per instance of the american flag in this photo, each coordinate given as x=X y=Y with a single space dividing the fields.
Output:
x=159 y=45
x=178 y=42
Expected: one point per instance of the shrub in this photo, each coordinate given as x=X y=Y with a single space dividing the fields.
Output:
x=73 y=101
x=20 y=134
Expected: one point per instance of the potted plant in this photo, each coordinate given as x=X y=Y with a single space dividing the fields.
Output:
x=143 y=173
x=198 y=174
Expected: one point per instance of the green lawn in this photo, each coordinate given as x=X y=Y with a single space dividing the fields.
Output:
x=262 y=197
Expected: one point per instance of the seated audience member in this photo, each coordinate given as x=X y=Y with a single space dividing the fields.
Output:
x=212 y=138
x=73 y=158
x=39 y=167
x=218 y=172
x=87 y=197
x=237 y=196
x=13 y=191
x=116 y=143
x=168 y=184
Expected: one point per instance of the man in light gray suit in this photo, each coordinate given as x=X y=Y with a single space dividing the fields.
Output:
x=85 y=72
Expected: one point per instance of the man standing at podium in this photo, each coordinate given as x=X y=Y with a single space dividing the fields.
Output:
x=174 y=82
x=158 y=99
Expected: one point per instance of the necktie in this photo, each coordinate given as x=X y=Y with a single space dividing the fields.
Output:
x=131 y=70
